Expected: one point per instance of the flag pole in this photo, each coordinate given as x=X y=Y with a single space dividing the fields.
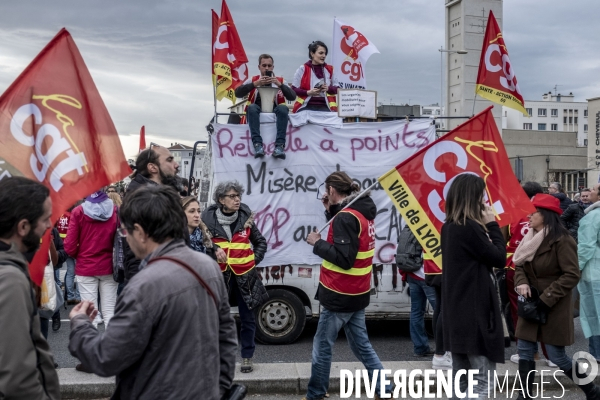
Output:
x=349 y=204
x=215 y=96
x=474 y=97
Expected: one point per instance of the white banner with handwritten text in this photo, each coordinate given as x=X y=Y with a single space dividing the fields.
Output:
x=284 y=194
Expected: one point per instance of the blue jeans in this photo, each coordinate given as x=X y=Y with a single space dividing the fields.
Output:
x=419 y=294
x=556 y=354
x=330 y=324
x=480 y=363
x=72 y=290
x=595 y=346
x=248 y=320
x=253 y=116
x=57 y=277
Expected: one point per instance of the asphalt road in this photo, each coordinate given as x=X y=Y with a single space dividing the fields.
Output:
x=391 y=340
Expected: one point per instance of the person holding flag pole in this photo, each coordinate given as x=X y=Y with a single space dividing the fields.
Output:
x=345 y=280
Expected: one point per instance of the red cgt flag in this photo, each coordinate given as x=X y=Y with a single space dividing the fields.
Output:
x=55 y=129
x=229 y=57
x=142 y=138
x=419 y=185
x=496 y=80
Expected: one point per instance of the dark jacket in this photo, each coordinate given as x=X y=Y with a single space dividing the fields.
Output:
x=26 y=363
x=571 y=216
x=245 y=89
x=343 y=251
x=131 y=264
x=251 y=288
x=60 y=248
x=471 y=310
x=554 y=272
x=564 y=200
x=167 y=339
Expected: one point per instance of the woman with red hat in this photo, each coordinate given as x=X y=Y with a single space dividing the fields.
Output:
x=546 y=272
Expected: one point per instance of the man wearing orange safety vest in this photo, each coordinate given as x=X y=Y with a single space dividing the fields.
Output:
x=345 y=279
x=253 y=106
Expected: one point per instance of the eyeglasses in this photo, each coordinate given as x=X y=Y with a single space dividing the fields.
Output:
x=319 y=196
x=150 y=152
x=122 y=232
x=233 y=196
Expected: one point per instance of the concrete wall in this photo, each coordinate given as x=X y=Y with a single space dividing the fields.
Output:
x=544 y=152
x=466 y=21
x=593 y=152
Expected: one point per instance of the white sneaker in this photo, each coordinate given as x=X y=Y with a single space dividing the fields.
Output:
x=444 y=362
x=551 y=364
x=515 y=358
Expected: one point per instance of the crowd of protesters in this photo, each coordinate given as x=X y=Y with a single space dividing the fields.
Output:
x=197 y=263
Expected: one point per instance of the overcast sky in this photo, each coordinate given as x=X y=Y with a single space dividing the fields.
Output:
x=151 y=59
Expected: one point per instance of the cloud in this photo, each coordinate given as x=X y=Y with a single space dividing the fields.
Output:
x=151 y=59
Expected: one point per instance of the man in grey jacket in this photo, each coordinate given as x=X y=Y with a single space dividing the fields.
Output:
x=26 y=364
x=169 y=338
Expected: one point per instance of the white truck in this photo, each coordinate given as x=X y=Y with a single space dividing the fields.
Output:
x=284 y=195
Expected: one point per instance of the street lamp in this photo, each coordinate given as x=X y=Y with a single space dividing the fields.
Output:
x=442 y=51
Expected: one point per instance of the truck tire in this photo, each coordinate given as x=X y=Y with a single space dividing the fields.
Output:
x=281 y=319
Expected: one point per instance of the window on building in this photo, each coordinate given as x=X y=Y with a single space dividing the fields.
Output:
x=554 y=112
x=570 y=120
x=528 y=126
x=575 y=119
x=565 y=111
x=564 y=120
x=585 y=113
x=554 y=127
x=585 y=128
x=541 y=112
x=576 y=111
x=541 y=127
x=528 y=111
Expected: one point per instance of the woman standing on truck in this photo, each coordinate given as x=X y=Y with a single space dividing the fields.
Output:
x=230 y=224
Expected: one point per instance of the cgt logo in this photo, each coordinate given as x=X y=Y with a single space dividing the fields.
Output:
x=509 y=80
x=462 y=160
x=61 y=147
x=351 y=44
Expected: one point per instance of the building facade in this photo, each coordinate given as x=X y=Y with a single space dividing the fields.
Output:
x=545 y=157
x=593 y=148
x=183 y=155
x=555 y=112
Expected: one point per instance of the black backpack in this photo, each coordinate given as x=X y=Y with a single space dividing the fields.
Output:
x=409 y=254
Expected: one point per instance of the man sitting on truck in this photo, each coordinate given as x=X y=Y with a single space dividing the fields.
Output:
x=345 y=280
x=253 y=105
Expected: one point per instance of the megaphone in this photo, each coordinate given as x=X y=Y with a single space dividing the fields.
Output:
x=267 y=95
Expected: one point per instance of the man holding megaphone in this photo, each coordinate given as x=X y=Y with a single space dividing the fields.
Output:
x=254 y=105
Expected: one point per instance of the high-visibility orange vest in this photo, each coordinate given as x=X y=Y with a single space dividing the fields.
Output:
x=356 y=280
x=240 y=256
x=429 y=266
x=305 y=83
x=280 y=99
x=517 y=233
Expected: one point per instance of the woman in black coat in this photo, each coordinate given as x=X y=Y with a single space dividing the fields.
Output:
x=472 y=244
x=230 y=225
